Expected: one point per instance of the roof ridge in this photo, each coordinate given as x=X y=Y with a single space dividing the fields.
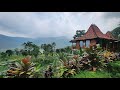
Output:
x=94 y=31
x=111 y=35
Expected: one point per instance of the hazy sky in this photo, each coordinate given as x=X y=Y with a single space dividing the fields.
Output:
x=54 y=24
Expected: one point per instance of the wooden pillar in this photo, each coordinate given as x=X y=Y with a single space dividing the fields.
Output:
x=106 y=44
x=113 y=46
x=84 y=44
x=93 y=42
x=78 y=45
x=100 y=42
x=72 y=46
x=90 y=44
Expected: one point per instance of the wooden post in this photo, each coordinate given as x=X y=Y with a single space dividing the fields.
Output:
x=106 y=45
x=84 y=44
x=113 y=46
x=78 y=45
x=72 y=45
x=72 y=48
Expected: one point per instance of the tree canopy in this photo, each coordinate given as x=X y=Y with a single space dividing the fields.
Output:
x=79 y=33
x=30 y=49
x=116 y=32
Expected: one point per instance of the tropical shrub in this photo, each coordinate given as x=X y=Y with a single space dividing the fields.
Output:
x=114 y=68
x=64 y=72
x=78 y=52
x=3 y=56
x=9 y=52
x=23 y=69
x=49 y=72
x=94 y=57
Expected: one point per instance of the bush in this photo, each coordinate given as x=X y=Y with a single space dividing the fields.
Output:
x=114 y=68
x=78 y=52
x=24 y=69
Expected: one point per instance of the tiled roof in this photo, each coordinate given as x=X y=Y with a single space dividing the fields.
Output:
x=109 y=34
x=93 y=32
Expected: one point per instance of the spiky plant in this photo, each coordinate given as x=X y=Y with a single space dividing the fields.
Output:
x=24 y=69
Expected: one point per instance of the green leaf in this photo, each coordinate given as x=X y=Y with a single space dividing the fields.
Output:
x=29 y=73
x=21 y=73
x=18 y=65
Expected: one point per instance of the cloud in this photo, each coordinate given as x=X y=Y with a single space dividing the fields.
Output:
x=54 y=24
x=112 y=15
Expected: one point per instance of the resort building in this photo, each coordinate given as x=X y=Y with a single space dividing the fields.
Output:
x=93 y=37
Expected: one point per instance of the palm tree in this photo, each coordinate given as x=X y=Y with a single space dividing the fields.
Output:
x=28 y=46
x=44 y=47
x=16 y=51
x=35 y=50
x=53 y=45
x=24 y=44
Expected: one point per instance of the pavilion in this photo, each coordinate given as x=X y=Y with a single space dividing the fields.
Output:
x=93 y=37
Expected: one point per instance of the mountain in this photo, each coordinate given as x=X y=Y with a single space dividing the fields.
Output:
x=60 y=41
x=7 y=42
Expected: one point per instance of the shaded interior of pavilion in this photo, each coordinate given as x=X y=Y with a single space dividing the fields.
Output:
x=112 y=45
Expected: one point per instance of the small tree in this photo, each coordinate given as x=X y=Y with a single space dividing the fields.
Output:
x=9 y=52
x=17 y=51
x=3 y=55
x=24 y=69
x=53 y=45
x=79 y=33
x=31 y=49
x=48 y=48
x=35 y=51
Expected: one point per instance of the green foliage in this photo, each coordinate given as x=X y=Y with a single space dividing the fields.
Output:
x=91 y=74
x=79 y=33
x=23 y=69
x=9 y=52
x=53 y=46
x=3 y=56
x=35 y=50
x=17 y=52
x=30 y=49
x=116 y=32
x=93 y=56
x=114 y=68
x=63 y=63
x=37 y=73
x=68 y=49
x=78 y=52
x=64 y=72
x=50 y=48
